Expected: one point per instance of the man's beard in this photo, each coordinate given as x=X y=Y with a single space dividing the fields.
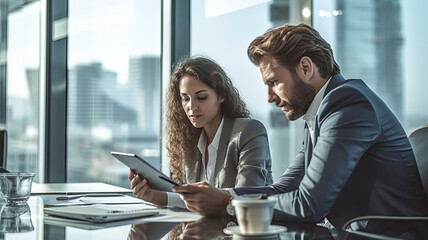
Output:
x=302 y=96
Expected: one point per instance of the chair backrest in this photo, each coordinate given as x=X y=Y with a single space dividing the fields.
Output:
x=3 y=147
x=419 y=140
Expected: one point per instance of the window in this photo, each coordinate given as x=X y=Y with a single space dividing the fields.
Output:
x=22 y=98
x=113 y=87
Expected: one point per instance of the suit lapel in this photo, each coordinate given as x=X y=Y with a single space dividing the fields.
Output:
x=308 y=147
x=335 y=81
x=224 y=140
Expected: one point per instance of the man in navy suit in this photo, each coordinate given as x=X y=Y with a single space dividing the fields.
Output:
x=355 y=160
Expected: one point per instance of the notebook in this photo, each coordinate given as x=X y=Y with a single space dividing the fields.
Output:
x=101 y=213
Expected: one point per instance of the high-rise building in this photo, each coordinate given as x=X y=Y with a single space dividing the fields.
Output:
x=144 y=83
x=105 y=115
x=98 y=110
x=94 y=98
x=369 y=43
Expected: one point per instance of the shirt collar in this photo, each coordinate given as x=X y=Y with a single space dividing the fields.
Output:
x=313 y=108
x=202 y=143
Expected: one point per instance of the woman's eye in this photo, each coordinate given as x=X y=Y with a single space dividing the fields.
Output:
x=202 y=98
x=184 y=99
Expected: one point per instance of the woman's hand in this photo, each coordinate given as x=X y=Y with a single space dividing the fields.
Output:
x=141 y=190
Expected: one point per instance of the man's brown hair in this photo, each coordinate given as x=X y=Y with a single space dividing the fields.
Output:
x=288 y=44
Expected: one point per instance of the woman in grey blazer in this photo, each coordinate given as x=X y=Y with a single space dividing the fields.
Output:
x=210 y=135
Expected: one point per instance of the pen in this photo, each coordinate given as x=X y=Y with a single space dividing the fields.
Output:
x=70 y=197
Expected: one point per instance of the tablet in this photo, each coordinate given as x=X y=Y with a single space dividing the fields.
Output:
x=156 y=179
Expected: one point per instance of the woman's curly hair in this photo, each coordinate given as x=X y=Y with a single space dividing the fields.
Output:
x=182 y=135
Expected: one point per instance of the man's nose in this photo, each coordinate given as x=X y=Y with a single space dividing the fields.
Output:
x=271 y=96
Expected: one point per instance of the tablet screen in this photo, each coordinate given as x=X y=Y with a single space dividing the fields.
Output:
x=156 y=179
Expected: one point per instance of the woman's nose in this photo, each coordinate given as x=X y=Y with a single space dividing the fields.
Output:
x=193 y=105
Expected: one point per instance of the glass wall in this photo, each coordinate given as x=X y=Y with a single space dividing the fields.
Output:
x=222 y=30
x=114 y=80
x=22 y=74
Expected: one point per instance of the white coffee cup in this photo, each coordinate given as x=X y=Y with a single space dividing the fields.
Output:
x=253 y=215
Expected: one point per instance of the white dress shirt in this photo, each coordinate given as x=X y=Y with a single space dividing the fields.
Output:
x=312 y=111
x=207 y=172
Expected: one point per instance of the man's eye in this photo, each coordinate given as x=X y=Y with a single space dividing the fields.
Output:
x=272 y=83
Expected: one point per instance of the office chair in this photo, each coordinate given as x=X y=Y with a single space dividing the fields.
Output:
x=3 y=147
x=419 y=140
x=417 y=226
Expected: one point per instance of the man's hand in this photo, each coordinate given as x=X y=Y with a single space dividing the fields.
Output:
x=204 y=199
x=141 y=190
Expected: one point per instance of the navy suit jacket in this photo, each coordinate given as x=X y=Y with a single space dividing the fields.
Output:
x=361 y=163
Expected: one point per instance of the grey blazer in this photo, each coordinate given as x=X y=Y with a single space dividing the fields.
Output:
x=361 y=163
x=243 y=157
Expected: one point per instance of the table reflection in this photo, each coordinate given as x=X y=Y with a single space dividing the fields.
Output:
x=152 y=230
x=212 y=228
x=15 y=219
x=204 y=228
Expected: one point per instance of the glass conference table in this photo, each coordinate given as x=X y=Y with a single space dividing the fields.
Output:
x=168 y=224
x=33 y=223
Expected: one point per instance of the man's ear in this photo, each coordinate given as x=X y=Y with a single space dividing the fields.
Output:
x=305 y=68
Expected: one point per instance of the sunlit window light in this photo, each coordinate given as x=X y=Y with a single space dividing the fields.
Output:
x=102 y=133
x=337 y=12
x=306 y=12
x=324 y=13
